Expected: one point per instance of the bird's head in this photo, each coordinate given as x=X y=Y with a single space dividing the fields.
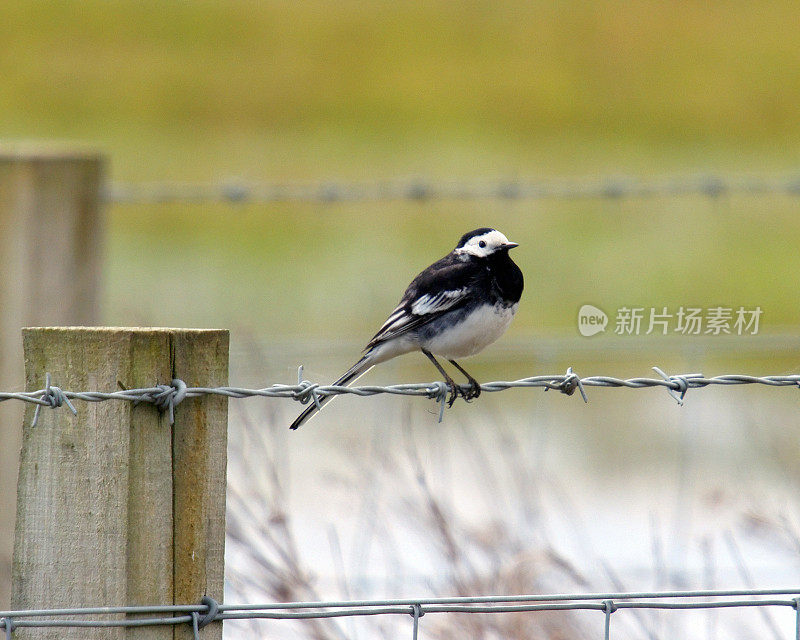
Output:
x=483 y=242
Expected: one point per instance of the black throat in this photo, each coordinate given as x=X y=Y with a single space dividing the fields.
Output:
x=506 y=277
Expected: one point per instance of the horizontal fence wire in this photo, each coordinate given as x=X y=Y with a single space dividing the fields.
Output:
x=420 y=190
x=167 y=396
x=209 y=610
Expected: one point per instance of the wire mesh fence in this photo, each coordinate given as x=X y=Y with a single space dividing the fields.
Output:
x=208 y=611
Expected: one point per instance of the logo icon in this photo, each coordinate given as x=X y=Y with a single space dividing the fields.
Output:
x=591 y=320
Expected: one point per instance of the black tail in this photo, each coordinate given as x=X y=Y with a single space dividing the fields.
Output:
x=354 y=372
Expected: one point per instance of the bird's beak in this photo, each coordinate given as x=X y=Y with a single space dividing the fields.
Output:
x=509 y=245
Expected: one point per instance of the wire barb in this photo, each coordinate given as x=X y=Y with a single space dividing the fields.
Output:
x=438 y=391
x=52 y=397
x=681 y=384
x=571 y=382
x=305 y=390
x=169 y=396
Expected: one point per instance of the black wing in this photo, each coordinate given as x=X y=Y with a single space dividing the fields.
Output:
x=445 y=285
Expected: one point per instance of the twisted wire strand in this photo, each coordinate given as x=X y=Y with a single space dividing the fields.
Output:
x=168 y=396
x=422 y=189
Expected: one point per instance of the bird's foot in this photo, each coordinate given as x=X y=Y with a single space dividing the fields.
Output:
x=469 y=392
x=473 y=390
x=455 y=391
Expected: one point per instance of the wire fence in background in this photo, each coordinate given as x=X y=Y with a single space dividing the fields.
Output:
x=422 y=190
x=607 y=604
x=167 y=396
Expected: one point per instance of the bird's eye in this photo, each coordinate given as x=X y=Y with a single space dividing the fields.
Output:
x=481 y=244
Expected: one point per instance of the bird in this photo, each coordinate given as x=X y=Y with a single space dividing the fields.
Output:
x=454 y=308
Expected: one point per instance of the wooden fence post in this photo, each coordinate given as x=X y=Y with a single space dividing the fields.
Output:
x=50 y=235
x=114 y=506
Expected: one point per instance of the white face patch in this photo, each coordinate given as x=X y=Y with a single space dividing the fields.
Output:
x=483 y=245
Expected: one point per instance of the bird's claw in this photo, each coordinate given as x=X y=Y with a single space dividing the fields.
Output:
x=455 y=391
x=468 y=392
x=473 y=390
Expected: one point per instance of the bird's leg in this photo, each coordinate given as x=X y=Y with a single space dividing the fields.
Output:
x=454 y=389
x=474 y=385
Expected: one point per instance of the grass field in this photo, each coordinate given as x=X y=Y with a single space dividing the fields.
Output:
x=279 y=89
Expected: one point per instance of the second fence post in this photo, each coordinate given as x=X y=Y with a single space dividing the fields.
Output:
x=114 y=505
x=51 y=229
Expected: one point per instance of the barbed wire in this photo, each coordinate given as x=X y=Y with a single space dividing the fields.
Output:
x=167 y=396
x=420 y=190
x=209 y=610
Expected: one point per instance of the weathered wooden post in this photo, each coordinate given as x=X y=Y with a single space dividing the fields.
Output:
x=50 y=235
x=114 y=505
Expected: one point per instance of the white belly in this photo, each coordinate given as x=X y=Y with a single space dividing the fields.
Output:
x=478 y=330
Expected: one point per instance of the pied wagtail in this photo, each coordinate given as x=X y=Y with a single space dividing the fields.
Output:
x=454 y=308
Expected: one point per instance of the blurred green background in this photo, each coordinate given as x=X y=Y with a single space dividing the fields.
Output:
x=280 y=91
